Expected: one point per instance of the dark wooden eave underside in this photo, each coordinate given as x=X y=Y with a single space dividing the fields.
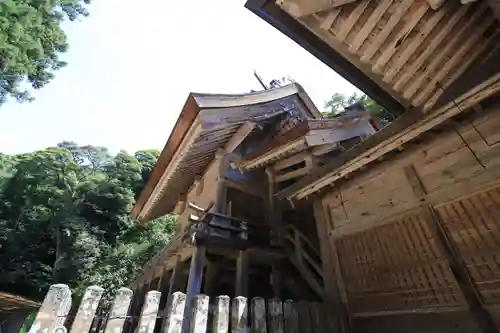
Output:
x=275 y=16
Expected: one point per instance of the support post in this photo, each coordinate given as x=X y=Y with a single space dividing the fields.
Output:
x=448 y=250
x=173 y=284
x=194 y=282
x=333 y=281
x=242 y=274
x=274 y=219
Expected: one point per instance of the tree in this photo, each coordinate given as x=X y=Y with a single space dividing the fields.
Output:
x=32 y=40
x=65 y=218
x=338 y=102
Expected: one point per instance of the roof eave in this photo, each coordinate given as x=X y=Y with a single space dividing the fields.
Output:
x=181 y=127
x=194 y=104
x=279 y=19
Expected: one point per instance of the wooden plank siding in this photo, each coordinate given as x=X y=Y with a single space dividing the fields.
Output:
x=396 y=268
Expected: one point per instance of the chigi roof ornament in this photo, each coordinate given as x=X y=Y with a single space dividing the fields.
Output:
x=275 y=83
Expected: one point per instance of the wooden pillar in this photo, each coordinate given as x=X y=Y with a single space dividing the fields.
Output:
x=160 y=280
x=194 y=282
x=175 y=278
x=242 y=274
x=211 y=276
x=173 y=285
x=333 y=280
x=449 y=251
x=274 y=218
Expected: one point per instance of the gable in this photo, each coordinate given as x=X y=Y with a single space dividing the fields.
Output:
x=208 y=123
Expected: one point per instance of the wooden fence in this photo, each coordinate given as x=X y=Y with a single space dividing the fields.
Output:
x=225 y=315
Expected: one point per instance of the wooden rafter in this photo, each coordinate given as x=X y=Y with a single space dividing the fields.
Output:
x=412 y=49
x=240 y=135
x=300 y=8
x=435 y=4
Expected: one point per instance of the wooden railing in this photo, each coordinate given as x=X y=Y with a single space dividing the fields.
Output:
x=305 y=257
x=237 y=315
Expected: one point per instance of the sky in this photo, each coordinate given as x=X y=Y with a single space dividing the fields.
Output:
x=130 y=69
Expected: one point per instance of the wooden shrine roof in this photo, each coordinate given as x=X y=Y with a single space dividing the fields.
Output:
x=310 y=133
x=425 y=60
x=402 y=53
x=207 y=123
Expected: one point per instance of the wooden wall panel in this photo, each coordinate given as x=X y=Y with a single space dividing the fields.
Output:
x=462 y=158
x=396 y=266
x=474 y=226
x=357 y=203
x=446 y=162
x=487 y=124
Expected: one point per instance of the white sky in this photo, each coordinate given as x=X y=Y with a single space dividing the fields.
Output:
x=133 y=63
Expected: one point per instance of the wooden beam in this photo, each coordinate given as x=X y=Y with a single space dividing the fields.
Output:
x=300 y=8
x=245 y=187
x=448 y=250
x=338 y=3
x=439 y=309
x=273 y=154
x=435 y=4
x=297 y=172
x=241 y=133
x=289 y=161
x=323 y=149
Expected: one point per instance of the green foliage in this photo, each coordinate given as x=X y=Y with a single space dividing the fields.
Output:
x=65 y=218
x=31 y=41
x=338 y=102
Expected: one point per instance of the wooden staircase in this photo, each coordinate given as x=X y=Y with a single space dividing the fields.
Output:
x=302 y=253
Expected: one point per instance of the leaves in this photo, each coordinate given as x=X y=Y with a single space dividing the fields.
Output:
x=65 y=218
x=338 y=102
x=31 y=41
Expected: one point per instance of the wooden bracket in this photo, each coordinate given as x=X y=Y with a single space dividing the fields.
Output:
x=241 y=133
